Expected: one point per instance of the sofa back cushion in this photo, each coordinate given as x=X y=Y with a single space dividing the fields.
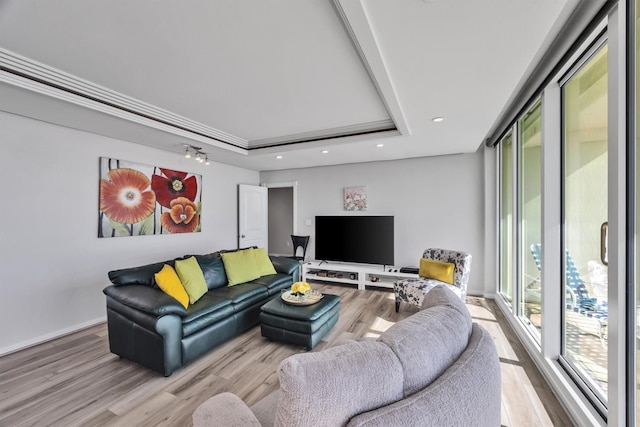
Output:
x=442 y=295
x=328 y=388
x=466 y=394
x=428 y=342
x=143 y=275
x=213 y=270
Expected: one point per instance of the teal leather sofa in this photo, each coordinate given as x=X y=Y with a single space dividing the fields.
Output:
x=153 y=329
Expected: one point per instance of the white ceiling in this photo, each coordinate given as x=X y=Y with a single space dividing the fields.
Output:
x=232 y=76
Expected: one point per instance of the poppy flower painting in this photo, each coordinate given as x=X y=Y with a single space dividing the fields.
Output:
x=138 y=200
x=172 y=184
x=182 y=218
x=126 y=196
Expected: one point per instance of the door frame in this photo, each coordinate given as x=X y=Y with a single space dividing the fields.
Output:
x=294 y=185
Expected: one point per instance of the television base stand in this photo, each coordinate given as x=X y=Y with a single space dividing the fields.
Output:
x=360 y=275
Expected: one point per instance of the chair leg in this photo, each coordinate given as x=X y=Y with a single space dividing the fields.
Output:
x=397 y=306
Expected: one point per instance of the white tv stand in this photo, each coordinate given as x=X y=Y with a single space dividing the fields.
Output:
x=361 y=275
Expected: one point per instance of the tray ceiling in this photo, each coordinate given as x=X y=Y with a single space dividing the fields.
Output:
x=250 y=79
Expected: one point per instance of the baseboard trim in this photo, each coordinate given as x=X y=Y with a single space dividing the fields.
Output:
x=50 y=336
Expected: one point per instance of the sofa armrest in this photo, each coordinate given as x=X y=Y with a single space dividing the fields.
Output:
x=286 y=265
x=225 y=409
x=149 y=300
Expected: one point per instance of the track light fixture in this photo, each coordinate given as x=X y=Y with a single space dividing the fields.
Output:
x=200 y=156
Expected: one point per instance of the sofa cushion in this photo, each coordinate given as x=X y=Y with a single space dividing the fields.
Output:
x=428 y=342
x=142 y=275
x=169 y=282
x=192 y=278
x=274 y=282
x=208 y=310
x=242 y=295
x=225 y=409
x=328 y=388
x=445 y=295
x=468 y=390
x=213 y=269
x=240 y=266
x=263 y=263
x=437 y=270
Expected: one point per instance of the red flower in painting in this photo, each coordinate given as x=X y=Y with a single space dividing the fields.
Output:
x=126 y=198
x=176 y=184
x=182 y=218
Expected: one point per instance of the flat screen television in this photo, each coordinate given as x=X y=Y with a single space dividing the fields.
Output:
x=361 y=239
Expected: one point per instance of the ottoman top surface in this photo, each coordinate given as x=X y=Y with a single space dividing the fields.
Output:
x=311 y=312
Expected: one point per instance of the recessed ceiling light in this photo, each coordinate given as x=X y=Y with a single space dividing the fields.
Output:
x=437 y=119
x=278 y=157
x=379 y=145
x=325 y=151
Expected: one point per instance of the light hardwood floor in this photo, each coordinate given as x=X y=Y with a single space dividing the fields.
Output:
x=76 y=381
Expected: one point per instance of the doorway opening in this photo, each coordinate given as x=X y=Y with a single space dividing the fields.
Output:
x=282 y=213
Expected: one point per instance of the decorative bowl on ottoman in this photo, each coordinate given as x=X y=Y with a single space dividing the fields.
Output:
x=300 y=294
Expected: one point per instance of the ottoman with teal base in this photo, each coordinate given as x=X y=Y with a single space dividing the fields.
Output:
x=299 y=325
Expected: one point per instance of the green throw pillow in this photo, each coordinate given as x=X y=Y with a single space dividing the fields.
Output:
x=192 y=279
x=263 y=263
x=240 y=266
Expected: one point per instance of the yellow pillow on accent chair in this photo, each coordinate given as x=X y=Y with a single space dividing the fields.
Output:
x=192 y=278
x=263 y=263
x=240 y=266
x=437 y=270
x=168 y=280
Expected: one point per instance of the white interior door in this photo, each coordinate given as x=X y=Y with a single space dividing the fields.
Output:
x=253 y=212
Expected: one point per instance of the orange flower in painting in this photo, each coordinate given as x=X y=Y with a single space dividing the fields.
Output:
x=182 y=218
x=126 y=198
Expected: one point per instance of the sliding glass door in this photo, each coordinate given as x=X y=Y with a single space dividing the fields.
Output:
x=506 y=217
x=529 y=217
x=584 y=219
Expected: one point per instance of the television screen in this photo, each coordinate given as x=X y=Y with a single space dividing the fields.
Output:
x=362 y=239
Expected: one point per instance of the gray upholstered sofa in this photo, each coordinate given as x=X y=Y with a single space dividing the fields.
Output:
x=434 y=368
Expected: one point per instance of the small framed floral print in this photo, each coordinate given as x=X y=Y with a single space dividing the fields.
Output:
x=355 y=198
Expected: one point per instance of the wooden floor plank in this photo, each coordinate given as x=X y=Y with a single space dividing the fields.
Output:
x=76 y=381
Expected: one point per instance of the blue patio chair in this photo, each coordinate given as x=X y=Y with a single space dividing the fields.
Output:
x=577 y=295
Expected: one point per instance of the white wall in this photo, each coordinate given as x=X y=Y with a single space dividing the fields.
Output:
x=53 y=267
x=436 y=201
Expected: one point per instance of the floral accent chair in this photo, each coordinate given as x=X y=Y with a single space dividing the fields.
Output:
x=413 y=290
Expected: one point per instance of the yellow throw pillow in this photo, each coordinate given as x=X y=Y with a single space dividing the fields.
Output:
x=264 y=266
x=442 y=271
x=168 y=280
x=192 y=278
x=240 y=266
